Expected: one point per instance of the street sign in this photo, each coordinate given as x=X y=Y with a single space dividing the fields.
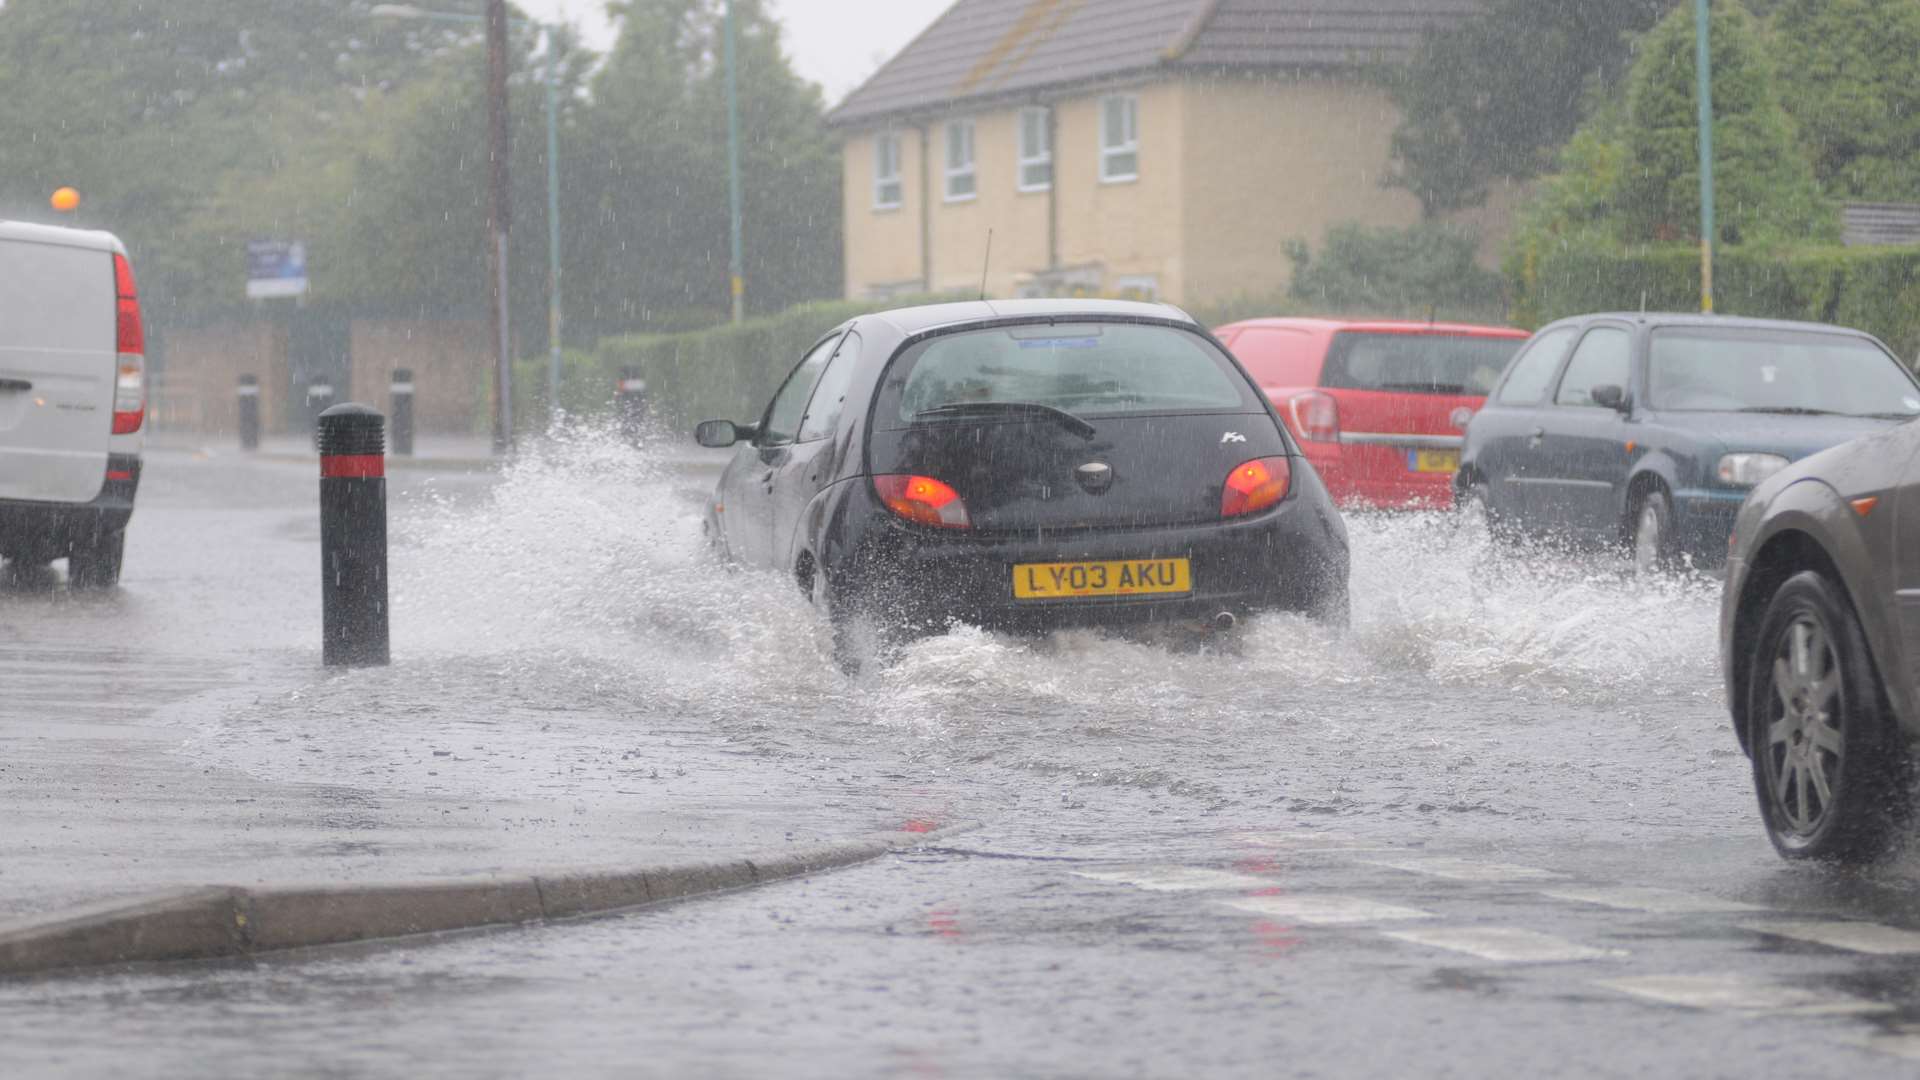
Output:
x=276 y=268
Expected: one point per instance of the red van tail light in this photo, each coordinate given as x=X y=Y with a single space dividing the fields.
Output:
x=923 y=500
x=1255 y=485
x=130 y=383
x=1316 y=416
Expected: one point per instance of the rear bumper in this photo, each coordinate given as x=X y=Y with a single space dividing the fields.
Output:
x=49 y=530
x=1359 y=484
x=1291 y=558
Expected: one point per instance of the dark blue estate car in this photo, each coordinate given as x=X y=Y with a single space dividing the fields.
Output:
x=1650 y=430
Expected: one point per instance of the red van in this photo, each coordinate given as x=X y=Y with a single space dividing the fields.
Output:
x=1380 y=408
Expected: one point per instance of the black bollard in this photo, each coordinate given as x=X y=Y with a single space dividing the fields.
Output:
x=630 y=403
x=353 y=536
x=401 y=411
x=248 y=399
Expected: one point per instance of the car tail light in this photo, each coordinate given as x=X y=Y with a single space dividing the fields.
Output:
x=1255 y=485
x=130 y=384
x=1316 y=416
x=923 y=500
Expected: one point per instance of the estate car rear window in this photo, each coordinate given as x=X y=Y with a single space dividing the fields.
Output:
x=1776 y=371
x=1087 y=369
x=1417 y=363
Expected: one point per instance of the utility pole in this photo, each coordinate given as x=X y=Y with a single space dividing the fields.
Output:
x=553 y=220
x=736 y=270
x=497 y=223
x=1703 y=66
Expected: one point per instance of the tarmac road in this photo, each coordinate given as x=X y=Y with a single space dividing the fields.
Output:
x=1500 y=828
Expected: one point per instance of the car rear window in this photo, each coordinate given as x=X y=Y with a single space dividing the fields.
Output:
x=1279 y=355
x=1417 y=363
x=1778 y=371
x=1088 y=369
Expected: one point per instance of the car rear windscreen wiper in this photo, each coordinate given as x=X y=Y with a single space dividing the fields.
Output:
x=1030 y=408
x=1790 y=410
x=1426 y=387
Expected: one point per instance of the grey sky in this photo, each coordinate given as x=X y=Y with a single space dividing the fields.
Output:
x=836 y=43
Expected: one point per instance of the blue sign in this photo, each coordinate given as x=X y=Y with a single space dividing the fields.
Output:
x=276 y=268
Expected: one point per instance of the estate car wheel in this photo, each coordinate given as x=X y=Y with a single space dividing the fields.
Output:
x=1828 y=766
x=1655 y=548
x=96 y=565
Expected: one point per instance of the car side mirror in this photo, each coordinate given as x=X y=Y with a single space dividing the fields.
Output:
x=1609 y=396
x=719 y=434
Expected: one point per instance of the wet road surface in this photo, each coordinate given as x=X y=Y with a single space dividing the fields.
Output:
x=1500 y=827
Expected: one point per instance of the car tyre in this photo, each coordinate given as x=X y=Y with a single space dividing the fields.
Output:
x=859 y=639
x=1475 y=503
x=96 y=564
x=1655 y=547
x=1829 y=768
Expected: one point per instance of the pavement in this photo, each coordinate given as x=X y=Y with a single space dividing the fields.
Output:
x=431 y=450
x=180 y=732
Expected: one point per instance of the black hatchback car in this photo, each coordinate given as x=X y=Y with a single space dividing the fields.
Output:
x=1025 y=466
x=1650 y=430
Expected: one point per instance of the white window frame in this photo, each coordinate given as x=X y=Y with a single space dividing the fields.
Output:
x=882 y=179
x=968 y=170
x=1044 y=155
x=1128 y=145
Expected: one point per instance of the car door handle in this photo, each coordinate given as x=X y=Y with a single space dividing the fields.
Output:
x=1539 y=433
x=21 y=385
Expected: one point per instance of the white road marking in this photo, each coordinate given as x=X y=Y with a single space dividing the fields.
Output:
x=1652 y=901
x=1176 y=878
x=1900 y=1044
x=1741 y=994
x=1860 y=937
x=1323 y=910
x=1466 y=870
x=1505 y=945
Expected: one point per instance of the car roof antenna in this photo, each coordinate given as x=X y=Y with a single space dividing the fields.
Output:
x=984 y=263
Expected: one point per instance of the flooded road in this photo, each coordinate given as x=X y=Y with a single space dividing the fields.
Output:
x=1499 y=826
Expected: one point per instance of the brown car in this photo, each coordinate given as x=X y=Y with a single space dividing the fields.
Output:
x=1819 y=639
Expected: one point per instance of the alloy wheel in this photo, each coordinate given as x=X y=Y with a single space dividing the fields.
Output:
x=1804 y=743
x=1647 y=539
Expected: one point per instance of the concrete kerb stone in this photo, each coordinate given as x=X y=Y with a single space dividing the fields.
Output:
x=223 y=922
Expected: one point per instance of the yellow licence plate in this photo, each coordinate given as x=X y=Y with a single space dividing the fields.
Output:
x=1123 y=577
x=1446 y=461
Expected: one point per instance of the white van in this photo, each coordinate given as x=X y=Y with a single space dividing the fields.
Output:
x=73 y=399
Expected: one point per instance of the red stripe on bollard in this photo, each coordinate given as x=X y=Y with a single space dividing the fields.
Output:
x=353 y=466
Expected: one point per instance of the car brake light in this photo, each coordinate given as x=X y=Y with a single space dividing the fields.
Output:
x=1316 y=416
x=1255 y=485
x=923 y=500
x=130 y=384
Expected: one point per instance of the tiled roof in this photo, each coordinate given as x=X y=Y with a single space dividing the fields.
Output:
x=991 y=48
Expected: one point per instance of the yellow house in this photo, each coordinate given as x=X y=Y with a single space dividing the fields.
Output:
x=1152 y=148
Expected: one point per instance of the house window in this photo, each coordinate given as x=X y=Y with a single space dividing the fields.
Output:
x=886 y=172
x=1036 y=149
x=1119 y=138
x=961 y=184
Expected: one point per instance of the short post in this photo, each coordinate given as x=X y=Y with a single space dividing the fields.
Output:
x=353 y=536
x=248 y=399
x=400 y=411
x=630 y=403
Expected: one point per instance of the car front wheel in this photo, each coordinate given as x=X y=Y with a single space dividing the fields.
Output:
x=1828 y=766
x=1654 y=545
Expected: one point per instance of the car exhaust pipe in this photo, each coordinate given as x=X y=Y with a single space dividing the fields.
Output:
x=1225 y=621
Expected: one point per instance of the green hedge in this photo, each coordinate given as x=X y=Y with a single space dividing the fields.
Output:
x=1872 y=289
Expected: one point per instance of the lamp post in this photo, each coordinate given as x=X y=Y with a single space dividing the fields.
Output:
x=736 y=270
x=503 y=426
x=1703 y=67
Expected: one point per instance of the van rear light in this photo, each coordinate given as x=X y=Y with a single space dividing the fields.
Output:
x=130 y=383
x=923 y=500
x=1316 y=416
x=1255 y=485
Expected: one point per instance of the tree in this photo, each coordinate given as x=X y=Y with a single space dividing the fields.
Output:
x=1764 y=186
x=1846 y=77
x=1493 y=96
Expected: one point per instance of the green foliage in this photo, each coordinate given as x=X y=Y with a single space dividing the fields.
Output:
x=1764 y=187
x=1490 y=97
x=1426 y=269
x=1846 y=76
x=1872 y=289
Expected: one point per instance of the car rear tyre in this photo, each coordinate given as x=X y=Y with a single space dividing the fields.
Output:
x=96 y=565
x=1655 y=549
x=859 y=640
x=1475 y=503
x=1828 y=767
